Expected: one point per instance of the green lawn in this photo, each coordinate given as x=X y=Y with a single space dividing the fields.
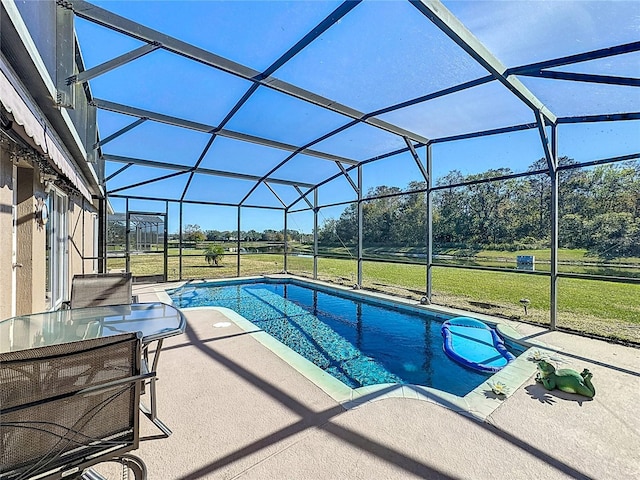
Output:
x=570 y=260
x=595 y=307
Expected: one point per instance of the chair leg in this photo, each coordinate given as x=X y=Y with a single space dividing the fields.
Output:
x=132 y=467
x=152 y=413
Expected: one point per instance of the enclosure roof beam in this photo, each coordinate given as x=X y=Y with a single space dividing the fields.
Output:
x=612 y=117
x=303 y=196
x=204 y=171
x=197 y=165
x=194 y=202
x=136 y=30
x=147 y=182
x=484 y=133
x=155 y=116
x=601 y=161
x=119 y=171
x=122 y=131
x=284 y=162
x=584 y=77
x=435 y=11
x=431 y=96
x=415 y=156
x=318 y=30
x=344 y=172
x=201 y=127
x=275 y=194
x=112 y=64
x=577 y=58
x=363 y=162
x=551 y=160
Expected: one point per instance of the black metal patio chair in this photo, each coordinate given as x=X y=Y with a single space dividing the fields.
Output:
x=100 y=289
x=67 y=407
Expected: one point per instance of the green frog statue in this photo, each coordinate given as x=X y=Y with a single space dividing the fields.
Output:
x=565 y=379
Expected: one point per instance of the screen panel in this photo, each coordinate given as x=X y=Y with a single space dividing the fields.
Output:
x=276 y=116
x=493 y=293
x=337 y=231
x=238 y=26
x=364 y=62
x=613 y=315
x=532 y=31
x=480 y=108
x=151 y=83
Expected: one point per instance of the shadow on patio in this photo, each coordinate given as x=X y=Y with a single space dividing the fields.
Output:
x=238 y=411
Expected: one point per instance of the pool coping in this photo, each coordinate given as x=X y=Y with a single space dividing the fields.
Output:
x=479 y=404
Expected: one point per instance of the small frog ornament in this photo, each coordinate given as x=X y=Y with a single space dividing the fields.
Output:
x=565 y=379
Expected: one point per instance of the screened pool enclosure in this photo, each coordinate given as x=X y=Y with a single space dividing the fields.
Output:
x=480 y=154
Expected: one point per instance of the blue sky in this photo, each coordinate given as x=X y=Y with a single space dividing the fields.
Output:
x=381 y=53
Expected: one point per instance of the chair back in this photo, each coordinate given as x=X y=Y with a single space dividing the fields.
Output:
x=66 y=407
x=99 y=289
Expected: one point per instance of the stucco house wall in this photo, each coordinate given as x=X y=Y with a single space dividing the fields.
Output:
x=81 y=236
x=6 y=206
x=39 y=142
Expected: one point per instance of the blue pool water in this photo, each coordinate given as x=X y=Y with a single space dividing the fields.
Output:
x=358 y=342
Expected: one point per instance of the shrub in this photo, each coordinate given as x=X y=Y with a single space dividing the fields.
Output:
x=213 y=254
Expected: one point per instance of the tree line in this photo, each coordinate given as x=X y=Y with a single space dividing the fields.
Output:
x=194 y=233
x=599 y=210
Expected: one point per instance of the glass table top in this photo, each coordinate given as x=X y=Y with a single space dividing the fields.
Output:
x=154 y=320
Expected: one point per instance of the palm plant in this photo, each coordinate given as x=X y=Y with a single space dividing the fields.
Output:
x=213 y=254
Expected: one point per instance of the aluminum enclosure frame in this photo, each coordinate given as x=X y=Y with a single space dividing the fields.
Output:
x=434 y=11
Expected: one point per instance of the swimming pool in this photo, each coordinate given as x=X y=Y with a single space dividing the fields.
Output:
x=356 y=340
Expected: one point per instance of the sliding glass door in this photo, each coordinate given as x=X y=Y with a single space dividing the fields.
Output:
x=57 y=249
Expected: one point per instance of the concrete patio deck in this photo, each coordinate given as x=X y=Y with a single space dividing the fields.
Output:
x=239 y=411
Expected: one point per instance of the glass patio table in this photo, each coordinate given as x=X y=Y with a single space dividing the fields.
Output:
x=156 y=321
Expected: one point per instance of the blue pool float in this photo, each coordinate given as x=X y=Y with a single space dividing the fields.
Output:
x=474 y=344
